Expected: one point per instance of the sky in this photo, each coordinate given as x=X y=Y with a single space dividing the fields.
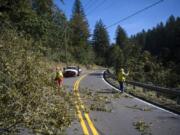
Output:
x=111 y=11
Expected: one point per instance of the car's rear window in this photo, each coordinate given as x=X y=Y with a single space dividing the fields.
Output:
x=71 y=68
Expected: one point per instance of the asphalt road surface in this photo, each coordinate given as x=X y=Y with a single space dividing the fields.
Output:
x=125 y=111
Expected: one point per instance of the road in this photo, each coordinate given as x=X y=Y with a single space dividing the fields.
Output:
x=125 y=111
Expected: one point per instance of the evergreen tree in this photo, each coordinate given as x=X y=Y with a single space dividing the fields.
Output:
x=14 y=11
x=115 y=57
x=43 y=7
x=121 y=37
x=163 y=42
x=139 y=39
x=79 y=25
x=100 y=41
x=79 y=32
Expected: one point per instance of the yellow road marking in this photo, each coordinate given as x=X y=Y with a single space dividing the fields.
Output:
x=82 y=122
x=93 y=129
x=89 y=121
x=83 y=125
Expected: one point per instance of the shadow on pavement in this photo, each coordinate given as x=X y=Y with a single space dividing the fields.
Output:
x=96 y=74
x=107 y=91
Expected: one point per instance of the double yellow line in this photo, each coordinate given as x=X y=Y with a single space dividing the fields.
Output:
x=79 y=107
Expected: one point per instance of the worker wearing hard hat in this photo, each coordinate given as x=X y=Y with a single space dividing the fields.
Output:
x=121 y=78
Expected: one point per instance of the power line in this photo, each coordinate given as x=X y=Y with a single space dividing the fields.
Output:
x=90 y=4
x=87 y=3
x=107 y=7
x=137 y=12
x=100 y=4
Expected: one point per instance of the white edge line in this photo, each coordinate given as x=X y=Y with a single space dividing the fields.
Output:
x=137 y=98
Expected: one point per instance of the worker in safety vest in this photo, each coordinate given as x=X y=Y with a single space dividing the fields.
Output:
x=121 y=78
x=59 y=77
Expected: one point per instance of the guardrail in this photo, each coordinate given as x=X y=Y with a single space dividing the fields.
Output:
x=168 y=91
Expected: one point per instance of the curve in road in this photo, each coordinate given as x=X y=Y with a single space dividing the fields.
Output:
x=120 y=121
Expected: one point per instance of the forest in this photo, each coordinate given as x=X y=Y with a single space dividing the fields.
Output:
x=151 y=56
x=36 y=34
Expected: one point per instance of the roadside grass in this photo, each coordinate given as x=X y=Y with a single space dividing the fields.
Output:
x=136 y=107
x=148 y=95
x=154 y=97
x=142 y=127
x=117 y=95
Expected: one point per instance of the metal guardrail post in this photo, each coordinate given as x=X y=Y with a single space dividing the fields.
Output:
x=144 y=90
x=158 y=94
x=178 y=100
x=146 y=87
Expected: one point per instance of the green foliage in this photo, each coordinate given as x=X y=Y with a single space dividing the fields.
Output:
x=28 y=97
x=79 y=25
x=121 y=37
x=15 y=10
x=33 y=31
x=42 y=7
x=78 y=9
x=79 y=34
x=162 y=42
x=115 y=57
x=47 y=25
x=142 y=127
x=148 y=55
x=100 y=42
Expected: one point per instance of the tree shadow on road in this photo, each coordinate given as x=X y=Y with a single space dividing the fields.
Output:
x=107 y=91
x=96 y=74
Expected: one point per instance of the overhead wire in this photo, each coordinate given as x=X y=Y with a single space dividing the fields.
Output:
x=90 y=4
x=87 y=3
x=107 y=7
x=97 y=6
x=137 y=12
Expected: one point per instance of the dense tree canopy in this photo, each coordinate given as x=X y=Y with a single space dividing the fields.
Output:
x=79 y=25
x=31 y=37
x=163 y=40
x=121 y=37
x=79 y=34
x=34 y=33
x=100 y=41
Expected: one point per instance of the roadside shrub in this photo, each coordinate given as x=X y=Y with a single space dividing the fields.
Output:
x=28 y=98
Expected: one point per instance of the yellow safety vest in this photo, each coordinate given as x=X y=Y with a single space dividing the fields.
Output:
x=59 y=75
x=121 y=76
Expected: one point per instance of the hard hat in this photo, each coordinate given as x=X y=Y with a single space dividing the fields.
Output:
x=122 y=70
x=57 y=68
